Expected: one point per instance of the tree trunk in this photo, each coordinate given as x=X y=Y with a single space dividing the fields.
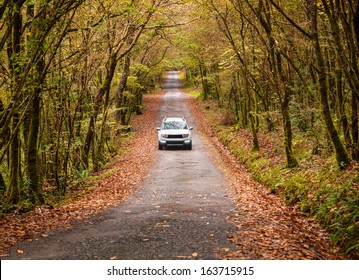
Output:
x=355 y=128
x=91 y=130
x=253 y=115
x=32 y=156
x=356 y=24
x=284 y=92
x=3 y=129
x=89 y=140
x=13 y=190
x=99 y=151
x=233 y=99
x=33 y=132
x=254 y=126
x=240 y=113
x=281 y=83
x=340 y=152
x=14 y=49
x=205 y=85
x=342 y=115
x=2 y=184
x=120 y=98
x=288 y=134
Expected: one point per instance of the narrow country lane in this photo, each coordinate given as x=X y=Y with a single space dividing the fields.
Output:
x=179 y=212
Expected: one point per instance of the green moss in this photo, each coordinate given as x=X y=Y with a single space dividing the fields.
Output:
x=195 y=94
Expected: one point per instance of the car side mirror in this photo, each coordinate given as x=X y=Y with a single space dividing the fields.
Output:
x=158 y=129
x=191 y=128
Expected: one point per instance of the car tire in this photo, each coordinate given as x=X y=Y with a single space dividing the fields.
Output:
x=189 y=147
x=160 y=147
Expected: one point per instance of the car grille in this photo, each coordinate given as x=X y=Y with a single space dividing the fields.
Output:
x=175 y=136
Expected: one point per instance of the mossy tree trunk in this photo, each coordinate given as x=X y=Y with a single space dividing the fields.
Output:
x=254 y=126
x=281 y=82
x=340 y=152
x=343 y=17
x=120 y=97
x=355 y=127
x=341 y=106
x=288 y=133
x=36 y=79
x=4 y=129
x=106 y=85
x=233 y=100
x=355 y=94
x=14 y=49
x=205 y=85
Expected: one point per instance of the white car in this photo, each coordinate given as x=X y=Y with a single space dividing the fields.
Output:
x=174 y=131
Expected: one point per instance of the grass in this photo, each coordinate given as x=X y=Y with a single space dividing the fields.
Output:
x=317 y=187
x=195 y=94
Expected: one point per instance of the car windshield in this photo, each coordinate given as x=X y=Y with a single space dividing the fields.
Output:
x=174 y=125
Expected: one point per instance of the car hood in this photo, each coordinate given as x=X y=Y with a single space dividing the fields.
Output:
x=175 y=131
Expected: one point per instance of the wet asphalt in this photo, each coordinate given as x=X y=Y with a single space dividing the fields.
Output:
x=179 y=212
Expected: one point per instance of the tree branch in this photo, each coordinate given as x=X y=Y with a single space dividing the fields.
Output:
x=300 y=29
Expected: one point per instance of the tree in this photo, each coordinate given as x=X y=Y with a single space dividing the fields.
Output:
x=14 y=23
x=27 y=72
x=341 y=154
x=132 y=29
x=342 y=17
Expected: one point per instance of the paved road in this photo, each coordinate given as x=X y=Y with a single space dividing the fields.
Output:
x=179 y=212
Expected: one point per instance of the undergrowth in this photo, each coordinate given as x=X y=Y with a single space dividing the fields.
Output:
x=317 y=187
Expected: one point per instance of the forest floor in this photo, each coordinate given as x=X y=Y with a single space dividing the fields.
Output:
x=266 y=227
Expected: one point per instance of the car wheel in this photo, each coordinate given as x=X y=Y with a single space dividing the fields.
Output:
x=160 y=147
x=189 y=147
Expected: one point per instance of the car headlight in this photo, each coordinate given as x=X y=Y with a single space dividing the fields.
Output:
x=185 y=135
x=164 y=135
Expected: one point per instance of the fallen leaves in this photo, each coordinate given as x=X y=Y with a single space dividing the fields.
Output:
x=194 y=255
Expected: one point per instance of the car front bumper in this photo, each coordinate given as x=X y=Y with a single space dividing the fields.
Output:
x=175 y=141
